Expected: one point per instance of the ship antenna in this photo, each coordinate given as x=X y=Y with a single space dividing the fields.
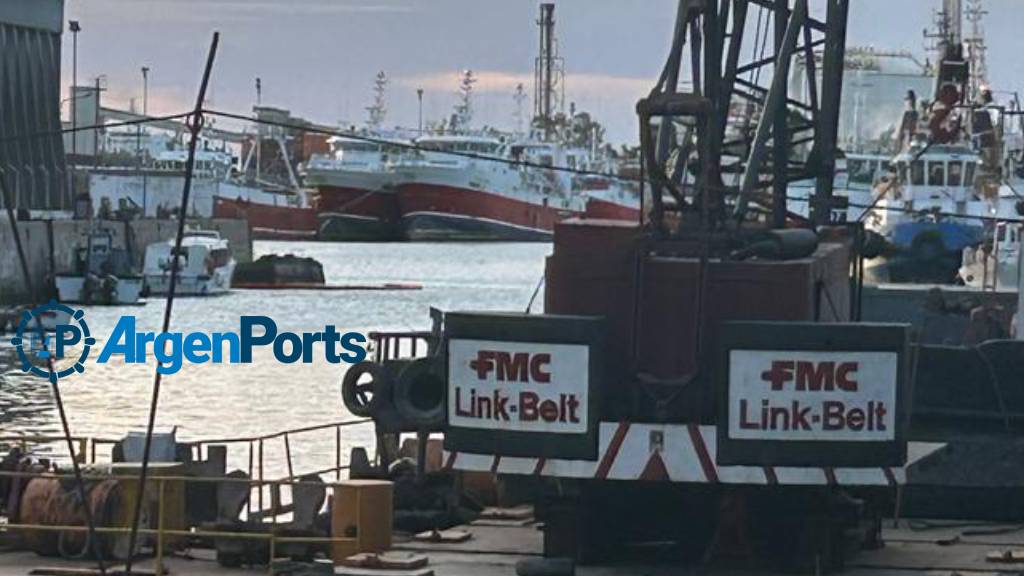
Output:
x=976 y=47
x=378 y=111
x=464 y=108
x=519 y=97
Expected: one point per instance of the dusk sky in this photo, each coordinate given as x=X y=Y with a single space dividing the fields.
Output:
x=318 y=57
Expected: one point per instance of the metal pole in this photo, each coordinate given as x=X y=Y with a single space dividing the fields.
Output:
x=195 y=126
x=75 y=27
x=780 y=120
x=259 y=128
x=419 y=96
x=95 y=129
x=831 y=95
x=145 y=112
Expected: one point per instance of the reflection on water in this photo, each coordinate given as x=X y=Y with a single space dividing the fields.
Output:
x=224 y=400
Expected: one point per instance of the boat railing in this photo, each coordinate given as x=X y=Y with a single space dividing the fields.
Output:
x=395 y=345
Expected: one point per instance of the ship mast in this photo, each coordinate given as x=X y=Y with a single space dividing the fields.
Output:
x=378 y=111
x=976 y=48
x=519 y=97
x=548 y=74
x=464 y=108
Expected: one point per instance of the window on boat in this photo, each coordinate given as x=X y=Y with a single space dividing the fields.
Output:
x=917 y=172
x=220 y=257
x=1001 y=233
x=860 y=170
x=936 y=173
x=956 y=172
x=969 y=174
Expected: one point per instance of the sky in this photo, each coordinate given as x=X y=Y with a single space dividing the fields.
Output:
x=318 y=58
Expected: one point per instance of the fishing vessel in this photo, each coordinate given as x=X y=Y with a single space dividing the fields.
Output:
x=205 y=265
x=468 y=187
x=99 y=274
x=353 y=197
x=141 y=174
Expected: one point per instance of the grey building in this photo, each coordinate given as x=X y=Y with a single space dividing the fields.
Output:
x=32 y=162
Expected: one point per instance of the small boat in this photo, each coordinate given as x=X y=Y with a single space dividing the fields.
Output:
x=205 y=265
x=100 y=274
x=994 y=265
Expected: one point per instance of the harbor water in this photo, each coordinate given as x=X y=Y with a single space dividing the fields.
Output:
x=233 y=400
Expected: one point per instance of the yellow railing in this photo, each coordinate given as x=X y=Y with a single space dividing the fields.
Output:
x=161 y=532
x=256 y=460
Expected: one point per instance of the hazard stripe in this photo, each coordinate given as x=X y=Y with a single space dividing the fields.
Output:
x=451 y=460
x=769 y=475
x=540 y=466
x=702 y=453
x=890 y=476
x=613 y=451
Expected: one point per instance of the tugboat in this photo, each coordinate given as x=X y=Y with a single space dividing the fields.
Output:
x=931 y=214
x=205 y=265
x=100 y=274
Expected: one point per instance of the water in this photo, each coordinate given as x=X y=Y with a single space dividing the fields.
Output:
x=232 y=400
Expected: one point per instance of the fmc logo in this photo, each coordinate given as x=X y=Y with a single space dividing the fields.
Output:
x=42 y=354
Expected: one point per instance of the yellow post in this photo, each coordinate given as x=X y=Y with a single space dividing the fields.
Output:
x=160 y=531
x=273 y=551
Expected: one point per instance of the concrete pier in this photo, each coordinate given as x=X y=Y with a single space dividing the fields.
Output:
x=50 y=247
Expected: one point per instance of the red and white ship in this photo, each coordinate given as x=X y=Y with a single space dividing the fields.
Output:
x=610 y=198
x=354 y=199
x=462 y=187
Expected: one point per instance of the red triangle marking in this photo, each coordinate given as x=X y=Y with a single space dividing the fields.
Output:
x=655 y=469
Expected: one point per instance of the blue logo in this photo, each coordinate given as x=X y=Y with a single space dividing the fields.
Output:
x=40 y=352
x=64 y=351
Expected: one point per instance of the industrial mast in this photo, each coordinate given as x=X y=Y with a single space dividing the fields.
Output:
x=548 y=75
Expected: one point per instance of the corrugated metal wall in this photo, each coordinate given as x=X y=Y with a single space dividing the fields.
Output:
x=31 y=147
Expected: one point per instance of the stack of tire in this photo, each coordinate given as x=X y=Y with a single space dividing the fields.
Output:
x=400 y=395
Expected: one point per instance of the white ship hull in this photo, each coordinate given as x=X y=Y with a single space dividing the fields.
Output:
x=70 y=289
x=191 y=284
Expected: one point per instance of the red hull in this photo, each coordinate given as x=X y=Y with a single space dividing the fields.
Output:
x=432 y=211
x=357 y=202
x=604 y=210
x=266 y=221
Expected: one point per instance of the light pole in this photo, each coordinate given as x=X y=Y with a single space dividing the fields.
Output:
x=75 y=28
x=259 y=129
x=145 y=89
x=419 y=96
x=145 y=98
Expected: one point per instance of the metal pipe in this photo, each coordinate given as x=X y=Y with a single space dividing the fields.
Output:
x=288 y=455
